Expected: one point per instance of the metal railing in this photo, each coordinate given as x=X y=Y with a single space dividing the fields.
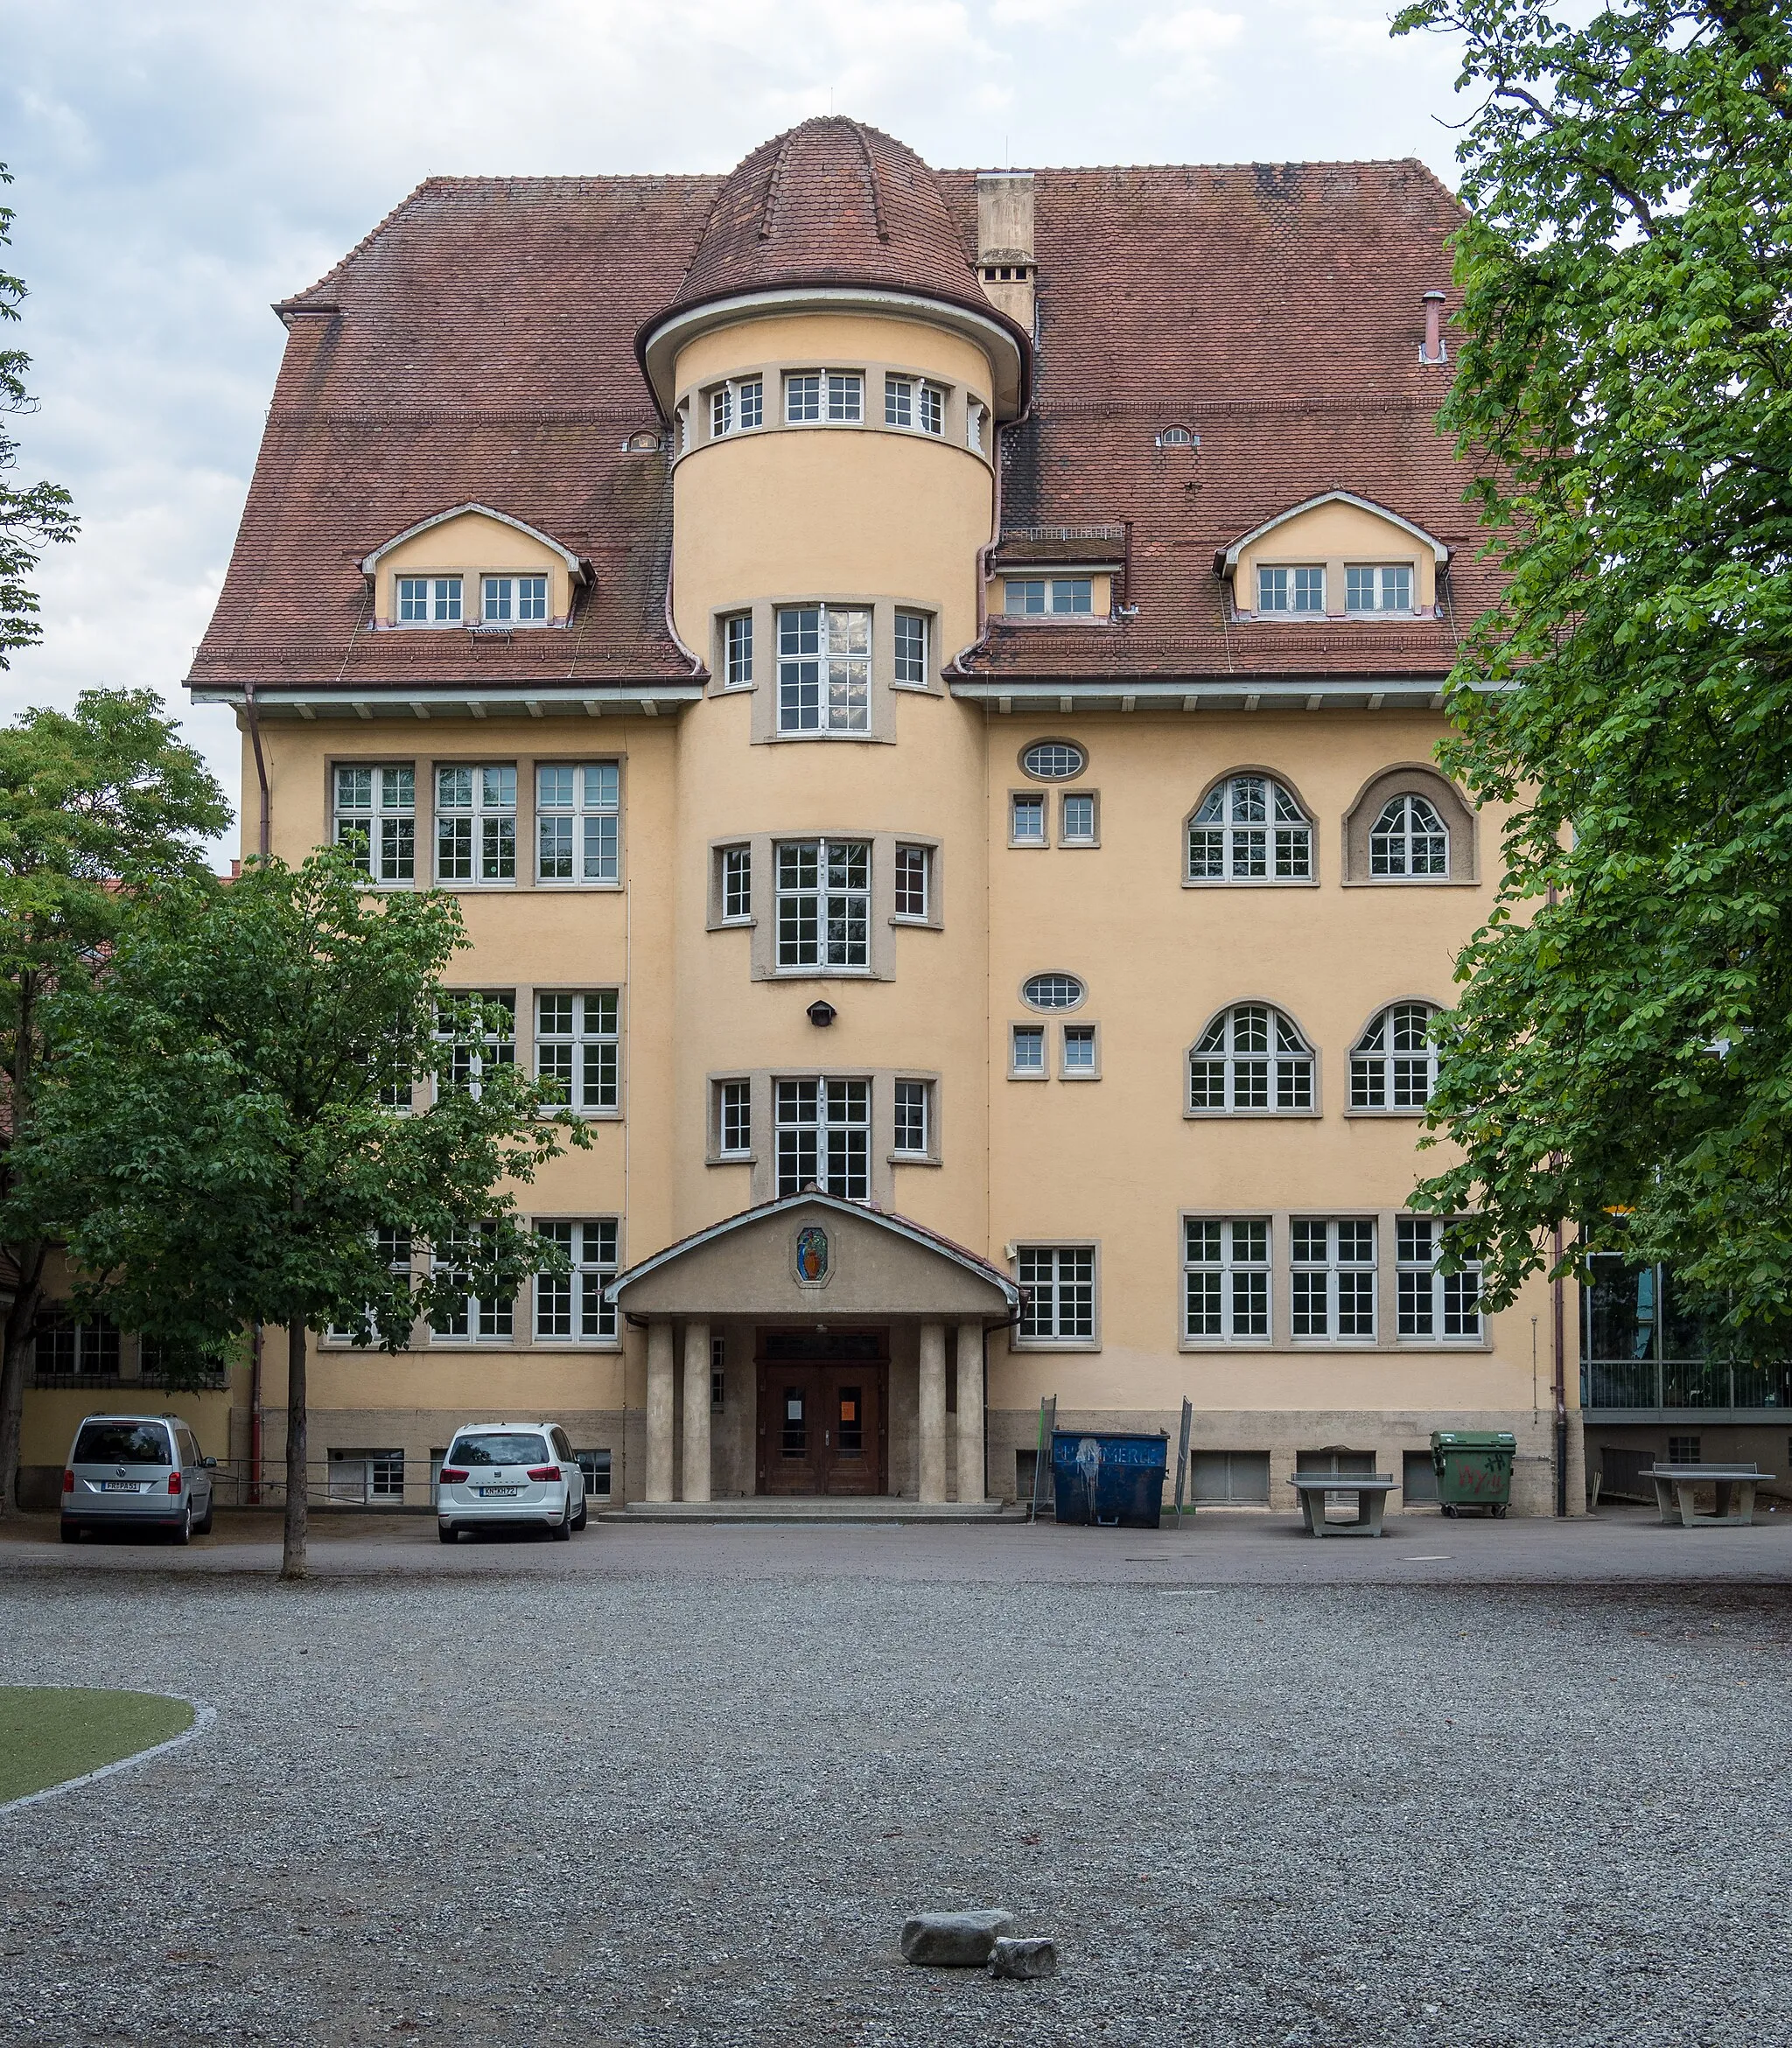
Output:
x=375 y=1485
x=1684 y=1383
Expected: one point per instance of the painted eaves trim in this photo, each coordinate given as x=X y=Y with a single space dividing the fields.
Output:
x=899 y=1225
x=1225 y=563
x=372 y=561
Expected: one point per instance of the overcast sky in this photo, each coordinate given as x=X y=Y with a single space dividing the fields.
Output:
x=181 y=164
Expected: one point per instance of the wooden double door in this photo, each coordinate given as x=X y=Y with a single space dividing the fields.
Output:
x=824 y=1411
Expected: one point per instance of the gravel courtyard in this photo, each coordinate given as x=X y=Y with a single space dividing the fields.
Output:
x=654 y=1804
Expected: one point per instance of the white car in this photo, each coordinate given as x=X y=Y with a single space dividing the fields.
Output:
x=137 y=1472
x=501 y=1474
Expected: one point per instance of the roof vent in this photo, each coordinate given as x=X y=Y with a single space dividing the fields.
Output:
x=1433 y=350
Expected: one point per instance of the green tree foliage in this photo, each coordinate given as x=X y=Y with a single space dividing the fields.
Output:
x=244 y=1100
x=1624 y=1041
x=97 y=807
x=30 y=519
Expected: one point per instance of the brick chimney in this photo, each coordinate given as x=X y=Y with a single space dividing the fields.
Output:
x=1432 y=350
x=1004 y=261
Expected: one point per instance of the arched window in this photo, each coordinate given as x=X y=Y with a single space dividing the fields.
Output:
x=1250 y=1058
x=1249 y=829
x=1394 y=1064
x=1409 y=838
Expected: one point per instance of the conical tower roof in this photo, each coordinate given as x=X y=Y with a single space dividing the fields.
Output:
x=831 y=202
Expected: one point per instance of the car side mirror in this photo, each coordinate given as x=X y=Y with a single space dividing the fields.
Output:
x=210 y=1463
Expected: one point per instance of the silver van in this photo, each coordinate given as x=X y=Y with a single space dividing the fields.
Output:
x=137 y=1472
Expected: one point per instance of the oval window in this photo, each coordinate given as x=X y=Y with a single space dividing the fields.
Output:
x=1054 y=760
x=1052 y=991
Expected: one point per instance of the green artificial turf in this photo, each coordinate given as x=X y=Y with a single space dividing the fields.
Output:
x=52 y=1732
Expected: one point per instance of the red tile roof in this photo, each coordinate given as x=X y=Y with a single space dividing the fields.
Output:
x=478 y=344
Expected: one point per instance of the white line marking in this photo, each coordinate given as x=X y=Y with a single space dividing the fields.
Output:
x=203 y=1717
x=1431 y=1557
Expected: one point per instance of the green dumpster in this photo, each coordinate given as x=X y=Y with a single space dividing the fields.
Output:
x=1474 y=1468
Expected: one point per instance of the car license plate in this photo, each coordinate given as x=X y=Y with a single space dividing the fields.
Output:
x=499 y=1493
x=121 y=1486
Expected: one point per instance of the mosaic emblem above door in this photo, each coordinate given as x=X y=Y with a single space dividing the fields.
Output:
x=814 y=1258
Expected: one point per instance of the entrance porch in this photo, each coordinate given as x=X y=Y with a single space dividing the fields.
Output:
x=812 y=1350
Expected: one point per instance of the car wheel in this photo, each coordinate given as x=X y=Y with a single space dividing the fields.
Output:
x=561 y=1531
x=71 y=1532
x=583 y=1516
x=447 y=1532
x=183 y=1528
x=203 y=1528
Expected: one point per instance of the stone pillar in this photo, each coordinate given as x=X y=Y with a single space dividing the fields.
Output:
x=659 y=1409
x=972 y=1481
x=933 y=1412
x=696 y=1411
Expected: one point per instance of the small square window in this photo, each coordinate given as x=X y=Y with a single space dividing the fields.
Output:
x=1079 y=1050
x=1291 y=590
x=911 y=648
x=737 y=672
x=802 y=397
x=1027 y=825
x=428 y=600
x=845 y=395
x=1073 y=593
x=522 y=599
x=1380 y=589
x=595 y=1464
x=1077 y=820
x=721 y=411
x=932 y=409
x=1026 y=1049
x=1024 y=595
x=750 y=402
x=1685 y=1449
x=899 y=401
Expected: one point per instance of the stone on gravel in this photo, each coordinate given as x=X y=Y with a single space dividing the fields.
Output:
x=1028 y=1955
x=953 y=1940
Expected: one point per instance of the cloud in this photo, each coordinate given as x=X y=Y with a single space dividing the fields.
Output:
x=1181 y=48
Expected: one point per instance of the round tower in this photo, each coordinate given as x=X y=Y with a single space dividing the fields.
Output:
x=834 y=376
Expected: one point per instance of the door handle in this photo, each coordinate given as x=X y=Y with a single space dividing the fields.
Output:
x=826 y=1439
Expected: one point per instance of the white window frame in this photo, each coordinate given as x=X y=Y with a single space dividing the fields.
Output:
x=464 y=1066
x=1392 y=1072
x=974 y=415
x=584 y=1050
x=477 y=1321
x=1428 y=1303
x=1050 y=760
x=1079 y=835
x=1081 y=1034
x=734 y=883
x=1024 y=1039
x=1401 y=577
x=577 y=1297
x=914 y=884
x=444 y=601
x=911 y=1134
x=1285 y=1064
x=1231 y=1275
x=912 y=650
x=734 y=1119
x=1419 y=831
x=749 y=404
x=1022 y=805
x=898 y=400
x=721 y=411
x=502 y=598
x=1248 y=831
x=386 y=853
x=838 y=1127
x=1302 y=579
x=1331 y=1282
x=737 y=651
x=1063 y=1282
x=594 y=814
x=1058 y=596
x=395 y=1243
x=489 y=816
x=836 y=932
x=823 y=689
x=1054 y=990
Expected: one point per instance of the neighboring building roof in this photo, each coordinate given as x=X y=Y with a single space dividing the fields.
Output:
x=479 y=347
x=899 y=1226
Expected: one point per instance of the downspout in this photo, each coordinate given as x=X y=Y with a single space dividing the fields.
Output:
x=955 y=666
x=264 y=842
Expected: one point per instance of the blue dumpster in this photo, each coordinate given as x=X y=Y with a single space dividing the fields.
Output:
x=1112 y=1478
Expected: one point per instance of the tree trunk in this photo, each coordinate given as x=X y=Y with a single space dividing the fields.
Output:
x=292 y=1561
x=21 y=1321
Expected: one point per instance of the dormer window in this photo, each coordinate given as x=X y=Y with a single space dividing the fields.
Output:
x=514 y=599
x=1031 y=596
x=1301 y=589
x=428 y=600
x=1382 y=588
